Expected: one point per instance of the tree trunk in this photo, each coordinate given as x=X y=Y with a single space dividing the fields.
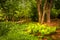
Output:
x=44 y=12
x=39 y=10
x=48 y=16
x=48 y=11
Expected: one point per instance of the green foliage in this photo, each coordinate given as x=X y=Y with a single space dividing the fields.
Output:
x=18 y=8
x=1 y=15
x=4 y=28
x=57 y=4
x=42 y=29
x=54 y=13
x=13 y=31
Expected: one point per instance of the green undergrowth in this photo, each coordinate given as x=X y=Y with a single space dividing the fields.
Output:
x=38 y=28
x=28 y=31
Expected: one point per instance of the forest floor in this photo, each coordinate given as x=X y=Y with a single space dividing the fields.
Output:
x=56 y=36
x=55 y=22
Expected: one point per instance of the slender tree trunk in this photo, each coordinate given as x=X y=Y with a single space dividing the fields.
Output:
x=39 y=10
x=44 y=12
x=48 y=11
x=48 y=16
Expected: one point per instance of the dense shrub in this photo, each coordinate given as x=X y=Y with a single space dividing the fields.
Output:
x=17 y=9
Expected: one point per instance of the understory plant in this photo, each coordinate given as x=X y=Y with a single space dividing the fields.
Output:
x=28 y=31
x=38 y=28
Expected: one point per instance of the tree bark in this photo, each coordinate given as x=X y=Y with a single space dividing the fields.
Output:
x=48 y=11
x=44 y=12
x=39 y=10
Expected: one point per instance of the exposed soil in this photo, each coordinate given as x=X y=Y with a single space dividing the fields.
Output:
x=55 y=22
